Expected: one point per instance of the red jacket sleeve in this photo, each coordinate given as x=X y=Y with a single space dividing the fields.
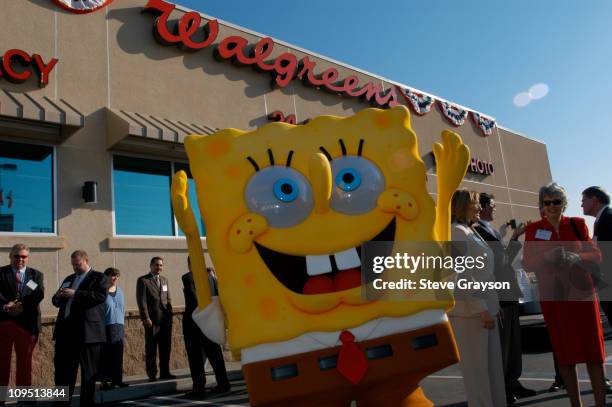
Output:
x=589 y=250
x=532 y=253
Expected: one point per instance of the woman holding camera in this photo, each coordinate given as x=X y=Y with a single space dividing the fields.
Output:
x=557 y=249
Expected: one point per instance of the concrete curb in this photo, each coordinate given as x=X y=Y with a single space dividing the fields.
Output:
x=140 y=387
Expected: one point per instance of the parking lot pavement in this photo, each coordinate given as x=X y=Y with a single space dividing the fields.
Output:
x=444 y=388
x=236 y=397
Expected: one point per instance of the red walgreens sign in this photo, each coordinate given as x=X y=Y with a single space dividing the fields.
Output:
x=283 y=68
x=14 y=62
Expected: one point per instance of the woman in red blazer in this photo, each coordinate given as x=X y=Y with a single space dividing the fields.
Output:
x=554 y=248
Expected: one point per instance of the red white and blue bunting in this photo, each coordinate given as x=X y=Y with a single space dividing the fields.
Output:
x=485 y=124
x=421 y=104
x=455 y=115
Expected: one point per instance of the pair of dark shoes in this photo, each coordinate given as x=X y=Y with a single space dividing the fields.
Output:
x=608 y=386
x=219 y=389
x=196 y=394
x=518 y=392
x=202 y=393
x=556 y=386
x=521 y=392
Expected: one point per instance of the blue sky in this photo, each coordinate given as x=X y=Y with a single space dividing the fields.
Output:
x=479 y=54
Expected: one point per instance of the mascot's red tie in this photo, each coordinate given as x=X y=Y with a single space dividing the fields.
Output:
x=352 y=362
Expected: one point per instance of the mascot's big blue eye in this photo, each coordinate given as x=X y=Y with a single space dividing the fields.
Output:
x=286 y=190
x=348 y=179
x=281 y=195
x=357 y=184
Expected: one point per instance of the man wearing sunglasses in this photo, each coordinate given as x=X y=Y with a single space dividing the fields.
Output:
x=21 y=291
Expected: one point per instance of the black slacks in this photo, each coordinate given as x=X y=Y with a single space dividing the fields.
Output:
x=69 y=355
x=158 y=337
x=112 y=355
x=199 y=347
x=512 y=350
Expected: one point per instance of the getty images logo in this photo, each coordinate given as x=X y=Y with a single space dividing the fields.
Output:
x=82 y=6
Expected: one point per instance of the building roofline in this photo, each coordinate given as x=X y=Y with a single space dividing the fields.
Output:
x=521 y=134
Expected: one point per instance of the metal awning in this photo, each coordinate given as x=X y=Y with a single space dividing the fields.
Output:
x=129 y=128
x=36 y=116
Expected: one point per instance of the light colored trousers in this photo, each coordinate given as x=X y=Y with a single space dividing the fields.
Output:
x=480 y=362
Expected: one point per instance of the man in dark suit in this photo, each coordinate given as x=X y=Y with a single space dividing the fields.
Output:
x=79 y=331
x=509 y=326
x=595 y=202
x=198 y=346
x=154 y=304
x=21 y=291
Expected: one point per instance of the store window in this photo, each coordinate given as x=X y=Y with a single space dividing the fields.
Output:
x=26 y=188
x=142 y=197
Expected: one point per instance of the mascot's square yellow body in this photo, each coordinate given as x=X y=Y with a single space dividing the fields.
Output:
x=286 y=209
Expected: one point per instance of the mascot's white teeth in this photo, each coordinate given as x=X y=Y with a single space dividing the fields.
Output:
x=321 y=264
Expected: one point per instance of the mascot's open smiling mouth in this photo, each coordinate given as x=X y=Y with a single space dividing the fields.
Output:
x=320 y=274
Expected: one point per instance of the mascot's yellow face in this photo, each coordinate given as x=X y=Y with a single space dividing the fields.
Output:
x=287 y=207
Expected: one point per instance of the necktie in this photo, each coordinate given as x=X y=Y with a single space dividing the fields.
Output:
x=74 y=285
x=18 y=283
x=352 y=362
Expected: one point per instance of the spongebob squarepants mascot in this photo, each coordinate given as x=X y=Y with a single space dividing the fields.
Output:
x=286 y=209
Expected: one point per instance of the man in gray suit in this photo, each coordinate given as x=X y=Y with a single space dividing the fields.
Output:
x=154 y=304
x=509 y=327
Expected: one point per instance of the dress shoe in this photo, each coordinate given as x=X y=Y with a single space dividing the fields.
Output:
x=608 y=387
x=556 y=386
x=120 y=385
x=510 y=399
x=521 y=392
x=219 y=390
x=152 y=379
x=167 y=376
x=196 y=394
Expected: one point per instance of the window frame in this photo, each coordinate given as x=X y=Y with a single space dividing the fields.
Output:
x=175 y=234
x=54 y=180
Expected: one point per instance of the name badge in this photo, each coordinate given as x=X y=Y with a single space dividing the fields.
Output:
x=164 y=287
x=543 y=234
x=32 y=285
x=66 y=284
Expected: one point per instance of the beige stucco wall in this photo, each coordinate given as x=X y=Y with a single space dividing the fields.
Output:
x=109 y=59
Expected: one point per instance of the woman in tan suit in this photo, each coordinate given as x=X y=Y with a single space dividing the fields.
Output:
x=474 y=318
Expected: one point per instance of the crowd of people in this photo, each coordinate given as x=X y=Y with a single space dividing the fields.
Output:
x=89 y=329
x=91 y=305
x=569 y=267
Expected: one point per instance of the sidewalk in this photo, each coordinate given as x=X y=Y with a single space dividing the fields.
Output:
x=140 y=387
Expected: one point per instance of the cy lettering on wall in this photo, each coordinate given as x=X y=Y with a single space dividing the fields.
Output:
x=14 y=66
x=284 y=68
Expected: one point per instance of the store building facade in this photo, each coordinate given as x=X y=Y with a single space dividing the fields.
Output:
x=103 y=101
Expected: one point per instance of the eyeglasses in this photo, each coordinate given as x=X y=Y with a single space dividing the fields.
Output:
x=18 y=256
x=553 y=202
